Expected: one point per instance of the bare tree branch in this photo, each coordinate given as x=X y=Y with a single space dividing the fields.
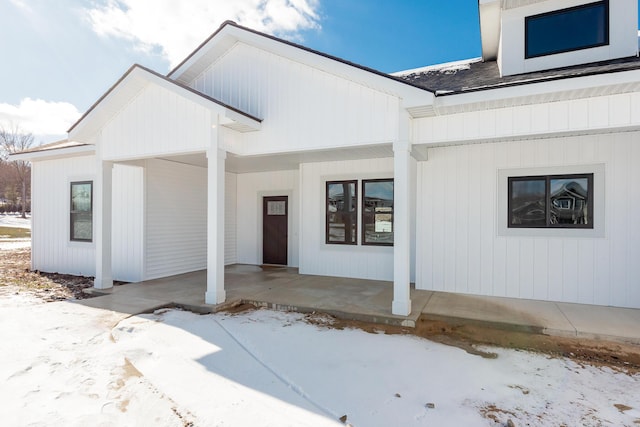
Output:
x=14 y=140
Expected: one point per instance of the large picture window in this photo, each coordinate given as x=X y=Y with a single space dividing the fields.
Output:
x=551 y=201
x=342 y=212
x=377 y=212
x=565 y=30
x=81 y=218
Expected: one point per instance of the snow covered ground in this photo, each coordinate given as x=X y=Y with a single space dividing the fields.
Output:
x=10 y=220
x=14 y=221
x=65 y=364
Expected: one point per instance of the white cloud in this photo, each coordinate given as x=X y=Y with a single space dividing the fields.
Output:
x=39 y=117
x=22 y=4
x=176 y=28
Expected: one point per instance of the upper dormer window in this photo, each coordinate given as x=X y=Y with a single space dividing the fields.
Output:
x=565 y=30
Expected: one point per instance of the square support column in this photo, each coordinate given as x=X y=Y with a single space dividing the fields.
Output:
x=103 y=191
x=402 y=226
x=215 y=226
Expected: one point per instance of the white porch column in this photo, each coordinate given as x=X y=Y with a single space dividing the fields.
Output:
x=102 y=216
x=401 y=221
x=215 y=225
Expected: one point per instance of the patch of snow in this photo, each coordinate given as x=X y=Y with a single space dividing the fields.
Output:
x=73 y=365
x=448 y=68
x=15 y=221
x=11 y=244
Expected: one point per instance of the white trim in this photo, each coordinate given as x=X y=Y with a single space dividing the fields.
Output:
x=358 y=177
x=598 y=229
x=55 y=153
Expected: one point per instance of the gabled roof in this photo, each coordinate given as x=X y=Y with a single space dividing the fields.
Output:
x=231 y=33
x=136 y=79
x=475 y=75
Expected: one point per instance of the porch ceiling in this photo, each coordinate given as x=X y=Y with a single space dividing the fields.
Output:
x=289 y=161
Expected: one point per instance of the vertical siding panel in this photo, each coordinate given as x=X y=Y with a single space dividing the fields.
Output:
x=474 y=252
x=438 y=167
x=586 y=271
x=487 y=207
x=230 y=215
x=570 y=270
x=461 y=214
x=450 y=207
x=128 y=223
x=555 y=269
x=527 y=257
x=633 y=226
x=619 y=215
x=540 y=269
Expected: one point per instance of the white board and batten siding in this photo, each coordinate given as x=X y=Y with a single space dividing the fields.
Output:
x=302 y=108
x=251 y=188
x=595 y=114
x=460 y=246
x=52 y=249
x=157 y=122
x=128 y=223
x=316 y=256
x=230 y=218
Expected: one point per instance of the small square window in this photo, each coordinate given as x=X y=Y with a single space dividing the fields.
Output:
x=342 y=212
x=81 y=212
x=377 y=212
x=552 y=201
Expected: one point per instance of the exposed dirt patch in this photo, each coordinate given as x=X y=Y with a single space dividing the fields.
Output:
x=16 y=277
x=468 y=337
x=622 y=357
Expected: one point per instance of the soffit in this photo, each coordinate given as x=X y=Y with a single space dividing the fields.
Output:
x=291 y=161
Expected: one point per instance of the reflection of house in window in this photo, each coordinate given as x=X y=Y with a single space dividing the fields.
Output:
x=551 y=201
x=569 y=201
x=377 y=212
x=342 y=212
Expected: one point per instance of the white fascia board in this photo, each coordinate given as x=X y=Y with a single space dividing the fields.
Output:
x=541 y=88
x=56 y=153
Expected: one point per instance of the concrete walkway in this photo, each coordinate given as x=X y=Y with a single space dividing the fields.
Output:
x=370 y=301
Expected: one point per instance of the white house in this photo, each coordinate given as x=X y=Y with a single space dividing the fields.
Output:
x=515 y=174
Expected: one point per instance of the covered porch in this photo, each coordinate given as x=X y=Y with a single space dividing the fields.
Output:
x=368 y=301
x=280 y=288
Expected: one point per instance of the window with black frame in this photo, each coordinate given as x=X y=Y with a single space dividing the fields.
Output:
x=81 y=217
x=551 y=201
x=377 y=212
x=342 y=212
x=566 y=30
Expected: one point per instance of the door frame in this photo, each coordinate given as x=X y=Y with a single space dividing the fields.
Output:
x=260 y=199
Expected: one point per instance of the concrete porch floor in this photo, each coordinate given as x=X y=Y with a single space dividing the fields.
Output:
x=370 y=301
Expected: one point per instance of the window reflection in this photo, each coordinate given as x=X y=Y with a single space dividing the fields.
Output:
x=342 y=207
x=377 y=215
x=563 y=201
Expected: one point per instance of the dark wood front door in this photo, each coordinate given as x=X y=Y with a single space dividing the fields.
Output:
x=275 y=230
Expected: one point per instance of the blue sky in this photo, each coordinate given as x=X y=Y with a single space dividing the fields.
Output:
x=60 y=56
